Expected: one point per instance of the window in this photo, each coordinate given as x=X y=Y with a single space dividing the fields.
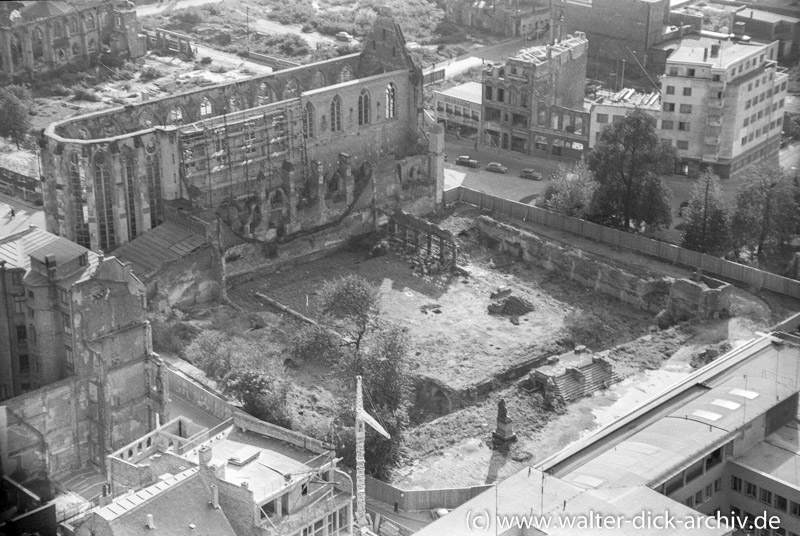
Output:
x=669 y=106
x=718 y=485
x=780 y=104
x=686 y=108
x=16 y=278
x=744 y=141
x=69 y=358
x=602 y=118
x=19 y=304
x=205 y=107
x=500 y=94
x=746 y=122
x=687 y=92
x=667 y=125
x=488 y=93
x=762 y=97
x=794 y=509
x=439 y=106
x=736 y=484
x=62 y=296
x=66 y=321
x=698 y=497
x=689 y=72
x=336 y=114
x=670 y=90
x=391 y=96
x=747 y=104
x=750 y=489
x=476 y=116
x=750 y=86
x=781 y=503
x=760 y=114
x=363 y=108
x=683 y=145
x=715 y=78
x=684 y=126
x=22 y=333
x=524 y=100
x=31 y=295
x=765 y=496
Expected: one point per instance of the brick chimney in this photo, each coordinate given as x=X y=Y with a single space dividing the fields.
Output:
x=204 y=455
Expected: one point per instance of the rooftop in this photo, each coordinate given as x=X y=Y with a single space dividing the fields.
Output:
x=61 y=249
x=778 y=455
x=165 y=243
x=533 y=493
x=15 y=250
x=627 y=98
x=469 y=91
x=539 y=54
x=697 y=49
x=766 y=16
x=698 y=426
x=179 y=505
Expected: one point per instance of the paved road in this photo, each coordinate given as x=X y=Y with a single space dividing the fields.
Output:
x=25 y=216
x=508 y=186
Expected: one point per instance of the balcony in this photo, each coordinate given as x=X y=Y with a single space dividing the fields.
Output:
x=716 y=104
x=709 y=157
x=714 y=122
x=716 y=86
x=711 y=140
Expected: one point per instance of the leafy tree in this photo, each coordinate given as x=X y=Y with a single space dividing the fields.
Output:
x=237 y=365
x=766 y=209
x=368 y=346
x=627 y=162
x=706 y=220
x=15 y=104
x=571 y=191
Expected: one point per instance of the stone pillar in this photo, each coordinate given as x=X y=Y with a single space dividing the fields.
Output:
x=289 y=174
x=5 y=52
x=47 y=43
x=436 y=161
x=318 y=173
x=27 y=48
x=346 y=177
x=120 y=207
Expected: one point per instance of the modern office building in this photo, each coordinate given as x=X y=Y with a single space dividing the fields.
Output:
x=722 y=102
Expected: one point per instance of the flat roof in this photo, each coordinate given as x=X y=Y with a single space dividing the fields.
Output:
x=653 y=453
x=469 y=91
x=778 y=455
x=62 y=249
x=538 y=54
x=533 y=493
x=765 y=16
x=270 y=461
x=692 y=49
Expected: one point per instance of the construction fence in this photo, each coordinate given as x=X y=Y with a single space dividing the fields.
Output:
x=732 y=271
x=420 y=500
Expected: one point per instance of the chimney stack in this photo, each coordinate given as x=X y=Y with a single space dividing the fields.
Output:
x=215 y=496
x=204 y=455
x=150 y=524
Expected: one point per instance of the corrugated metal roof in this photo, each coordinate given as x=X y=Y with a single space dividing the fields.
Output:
x=62 y=249
x=167 y=242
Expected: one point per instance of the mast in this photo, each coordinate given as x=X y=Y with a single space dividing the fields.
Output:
x=361 y=490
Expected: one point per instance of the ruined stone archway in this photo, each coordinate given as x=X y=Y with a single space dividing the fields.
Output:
x=37 y=44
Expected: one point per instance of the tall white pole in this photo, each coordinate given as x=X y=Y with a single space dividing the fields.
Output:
x=361 y=488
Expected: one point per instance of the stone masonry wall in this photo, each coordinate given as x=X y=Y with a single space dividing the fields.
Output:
x=648 y=293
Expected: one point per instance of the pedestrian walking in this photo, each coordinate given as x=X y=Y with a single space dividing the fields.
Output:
x=13 y=213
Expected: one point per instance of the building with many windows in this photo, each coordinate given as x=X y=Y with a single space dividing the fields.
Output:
x=534 y=102
x=607 y=108
x=300 y=150
x=459 y=108
x=722 y=103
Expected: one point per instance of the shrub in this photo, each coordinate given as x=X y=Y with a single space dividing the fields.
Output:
x=150 y=73
x=59 y=90
x=224 y=39
x=187 y=17
x=83 y=94
x=205 y=60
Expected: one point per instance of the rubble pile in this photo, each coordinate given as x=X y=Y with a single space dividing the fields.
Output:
x=511 y=306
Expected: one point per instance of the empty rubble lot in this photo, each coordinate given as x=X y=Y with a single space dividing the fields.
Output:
x=456 y=342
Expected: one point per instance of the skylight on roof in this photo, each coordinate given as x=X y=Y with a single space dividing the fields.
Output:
x=750 y=395
x=728 y=404
x=707 y=415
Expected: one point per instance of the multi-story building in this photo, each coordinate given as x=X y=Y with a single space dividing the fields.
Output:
x=607 y=108
x=460 y=107
x=38 y=36
x=533 y=103
x=298 y=150
x=767 y=27
x=619 y=29
x=62 y=306
x=718 y=449
x=512 y=18
x=723 y=103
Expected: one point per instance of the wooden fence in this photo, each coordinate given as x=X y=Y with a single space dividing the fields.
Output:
x=421 y=500
x=613 y=237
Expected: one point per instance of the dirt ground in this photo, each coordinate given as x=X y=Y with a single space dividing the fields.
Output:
x=462 y=345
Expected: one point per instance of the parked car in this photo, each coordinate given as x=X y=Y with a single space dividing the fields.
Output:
x=496 y=167
x=467 y=161
x=530 y=173
x=343 y=36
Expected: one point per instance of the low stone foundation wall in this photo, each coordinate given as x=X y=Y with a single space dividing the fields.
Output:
x=648 y=292
x=704 y=298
